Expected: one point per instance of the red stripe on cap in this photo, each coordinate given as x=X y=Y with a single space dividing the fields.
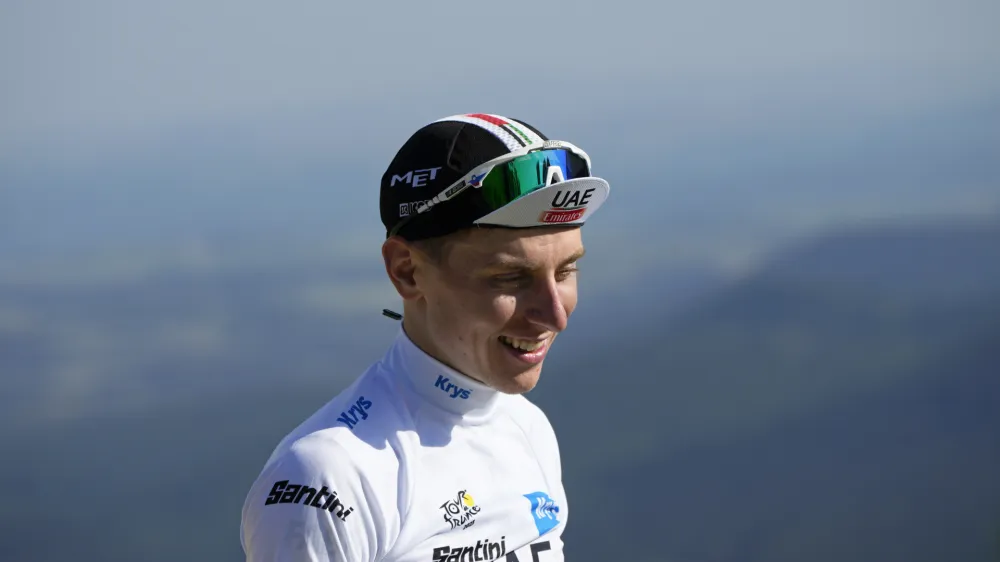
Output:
x=488 y=118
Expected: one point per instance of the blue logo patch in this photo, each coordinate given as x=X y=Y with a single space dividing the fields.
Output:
x=544 y=511
x=477 y=180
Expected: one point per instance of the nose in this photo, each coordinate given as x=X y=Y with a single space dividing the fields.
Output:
x=547 y=307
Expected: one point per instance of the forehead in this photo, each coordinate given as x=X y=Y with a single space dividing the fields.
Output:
x=528 y=246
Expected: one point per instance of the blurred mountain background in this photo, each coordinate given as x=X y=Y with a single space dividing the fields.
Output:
x=788 y=339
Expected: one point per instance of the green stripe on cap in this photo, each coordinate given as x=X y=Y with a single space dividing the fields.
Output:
x=526 y=138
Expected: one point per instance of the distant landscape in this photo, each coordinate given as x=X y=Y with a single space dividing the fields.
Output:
x=841 y=401
x=787 y=344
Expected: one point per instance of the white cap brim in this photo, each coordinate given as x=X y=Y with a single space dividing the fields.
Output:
x=569 y=202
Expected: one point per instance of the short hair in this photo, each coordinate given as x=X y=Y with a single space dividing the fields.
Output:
x=436 y=249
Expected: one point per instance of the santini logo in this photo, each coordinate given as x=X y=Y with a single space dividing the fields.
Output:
x=283 y=492
x=351 y=417
x=451 y=389
x=416 y=178
x=484 y=550
x=567 y=206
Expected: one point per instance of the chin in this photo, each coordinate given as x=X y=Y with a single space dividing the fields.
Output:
x=520 y=383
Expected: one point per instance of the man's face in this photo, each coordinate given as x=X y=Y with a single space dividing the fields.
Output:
x=495 y=302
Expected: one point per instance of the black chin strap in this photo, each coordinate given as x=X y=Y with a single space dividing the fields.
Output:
x=391 y=314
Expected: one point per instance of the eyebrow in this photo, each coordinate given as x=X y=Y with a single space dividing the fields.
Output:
x=508 y=262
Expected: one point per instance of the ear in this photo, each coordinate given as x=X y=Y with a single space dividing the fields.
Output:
x=400 y=266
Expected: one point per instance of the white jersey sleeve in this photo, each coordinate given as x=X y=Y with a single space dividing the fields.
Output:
x=311 y=504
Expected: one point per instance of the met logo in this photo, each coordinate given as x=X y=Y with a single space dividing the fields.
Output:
x=544 y=511
x=451 y=389
x=415 y=178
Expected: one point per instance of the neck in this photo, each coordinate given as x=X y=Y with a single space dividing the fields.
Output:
x=417 y=332
x=440 y=384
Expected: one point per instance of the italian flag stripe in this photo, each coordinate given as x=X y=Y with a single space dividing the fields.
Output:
x=519 y=132
x=513 y=136
x=498 y=121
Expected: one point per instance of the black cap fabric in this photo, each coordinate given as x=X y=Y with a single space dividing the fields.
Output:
x=437 y=156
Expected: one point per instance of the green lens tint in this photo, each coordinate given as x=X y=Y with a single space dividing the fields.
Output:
x=521 y=176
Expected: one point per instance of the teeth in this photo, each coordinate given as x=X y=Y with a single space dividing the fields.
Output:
x=523 y=345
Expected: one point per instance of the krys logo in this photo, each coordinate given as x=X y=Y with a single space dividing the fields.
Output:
x=567 y=206
x=451 y=389
x=358 y=412
x=460 y=511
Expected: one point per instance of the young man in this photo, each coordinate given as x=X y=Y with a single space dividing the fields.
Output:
x=433 y=454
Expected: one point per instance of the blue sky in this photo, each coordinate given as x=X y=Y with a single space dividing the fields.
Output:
x=107 y=69
x=158 y=123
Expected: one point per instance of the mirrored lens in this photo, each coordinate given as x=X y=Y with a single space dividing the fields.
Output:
x=525 y=174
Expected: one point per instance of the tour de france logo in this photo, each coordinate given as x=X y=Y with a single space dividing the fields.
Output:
x=459 y=512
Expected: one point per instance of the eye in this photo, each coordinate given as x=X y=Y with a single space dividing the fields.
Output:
x=508 y=278
x=566 y=273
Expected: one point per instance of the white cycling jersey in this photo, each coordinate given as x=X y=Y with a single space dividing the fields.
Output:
x=413 y=462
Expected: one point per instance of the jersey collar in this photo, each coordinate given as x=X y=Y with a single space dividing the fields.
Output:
x=439 y=384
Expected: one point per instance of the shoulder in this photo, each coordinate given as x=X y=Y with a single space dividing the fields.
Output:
x=528 y=414
x=536 y=426
x=312 y=499
x=355 y=425
x=331 y=485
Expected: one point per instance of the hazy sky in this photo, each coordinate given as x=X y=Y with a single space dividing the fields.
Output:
x=155 y=126
x=103 y=68
x=131 y=122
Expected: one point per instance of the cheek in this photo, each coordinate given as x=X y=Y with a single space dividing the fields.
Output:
x=503 y=308
x=465 y=313
x=489 y=312
x=568 y=296
x=484 y=315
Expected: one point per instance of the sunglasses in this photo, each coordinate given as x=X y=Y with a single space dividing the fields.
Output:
x=507 y=178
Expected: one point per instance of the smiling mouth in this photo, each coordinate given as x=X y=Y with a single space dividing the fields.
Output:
x=522 y=344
